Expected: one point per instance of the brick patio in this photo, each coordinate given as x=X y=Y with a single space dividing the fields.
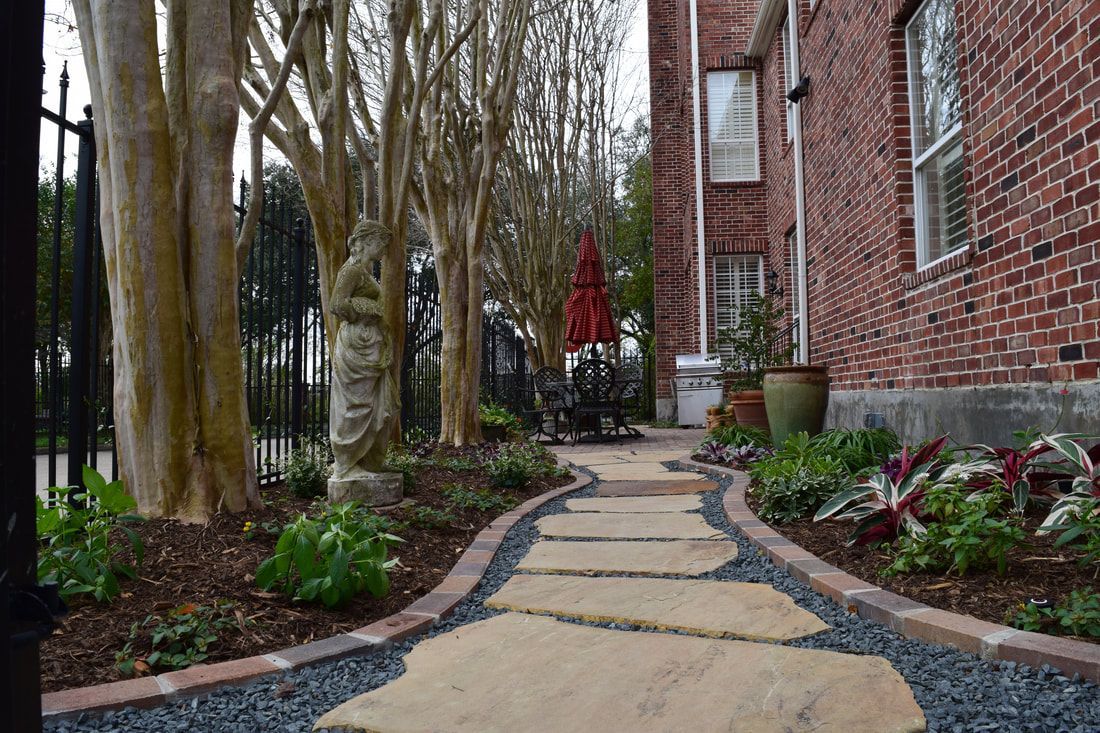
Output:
x=656 y=439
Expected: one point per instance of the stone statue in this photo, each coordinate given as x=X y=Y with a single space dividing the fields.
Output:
x=363 y=397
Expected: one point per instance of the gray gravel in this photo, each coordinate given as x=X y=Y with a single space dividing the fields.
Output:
x=957 y=691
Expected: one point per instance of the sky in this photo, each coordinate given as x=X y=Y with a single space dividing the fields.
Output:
x=62 y=43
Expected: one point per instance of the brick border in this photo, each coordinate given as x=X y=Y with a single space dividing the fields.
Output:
x=909 y=618
x=422 y=614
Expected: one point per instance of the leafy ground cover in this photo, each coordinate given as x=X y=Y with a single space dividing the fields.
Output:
x=196 y=597
x=1005 y=534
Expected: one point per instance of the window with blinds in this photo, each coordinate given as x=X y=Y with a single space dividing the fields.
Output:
x=731 y=118
x=935 y=108
x=735 y=277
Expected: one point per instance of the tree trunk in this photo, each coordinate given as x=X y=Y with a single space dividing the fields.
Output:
x=165 y=150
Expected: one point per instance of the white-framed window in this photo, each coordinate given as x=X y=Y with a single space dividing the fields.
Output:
x=936 y=123
x=792 y=265
x=731 y=119
x=735 y=278
x=788 y=77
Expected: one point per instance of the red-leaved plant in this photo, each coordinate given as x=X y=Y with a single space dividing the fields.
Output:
x=889 y=505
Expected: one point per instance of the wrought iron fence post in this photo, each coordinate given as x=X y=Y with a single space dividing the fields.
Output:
x=54 y=379
x=79 y=348
x=298 y=314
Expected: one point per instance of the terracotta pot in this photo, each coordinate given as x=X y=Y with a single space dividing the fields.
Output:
x=796 y=398
x=712 y=411
x=748 y=407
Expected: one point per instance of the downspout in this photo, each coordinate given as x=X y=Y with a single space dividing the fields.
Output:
x=803 y=355
x=700 y=227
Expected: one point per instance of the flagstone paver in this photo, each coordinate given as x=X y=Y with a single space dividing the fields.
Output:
x=631 y=504
x=629 y=526
x=705 y=607
x=617 y=458
x=631 y=471
x=516 y=672
x=656 y=488
x=679 y=557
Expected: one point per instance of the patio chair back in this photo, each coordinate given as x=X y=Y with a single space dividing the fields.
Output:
x=594 y=380
x=545 y=380
x=629 y=377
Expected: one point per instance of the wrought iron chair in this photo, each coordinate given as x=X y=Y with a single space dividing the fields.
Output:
x=630 y=382
x=556 y=403
x=597 y=395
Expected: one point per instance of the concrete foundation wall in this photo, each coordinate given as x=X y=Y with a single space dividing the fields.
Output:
x=972 y=414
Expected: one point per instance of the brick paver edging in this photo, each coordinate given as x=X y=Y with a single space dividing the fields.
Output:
x=907 y=617
x=147 y=692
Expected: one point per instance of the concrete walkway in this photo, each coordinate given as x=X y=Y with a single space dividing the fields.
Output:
x=550 y=663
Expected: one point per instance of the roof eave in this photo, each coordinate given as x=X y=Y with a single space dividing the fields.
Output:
x=768 y=18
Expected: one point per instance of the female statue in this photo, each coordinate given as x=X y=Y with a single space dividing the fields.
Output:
x=363 y=396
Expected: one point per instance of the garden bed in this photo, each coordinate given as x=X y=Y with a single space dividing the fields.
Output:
x=216 y=562
x=1037 y=571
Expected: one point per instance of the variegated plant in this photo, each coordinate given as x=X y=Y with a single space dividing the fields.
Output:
x=1083 y=468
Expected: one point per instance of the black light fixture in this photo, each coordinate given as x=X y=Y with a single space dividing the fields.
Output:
x=772 y=284
x=800 y=91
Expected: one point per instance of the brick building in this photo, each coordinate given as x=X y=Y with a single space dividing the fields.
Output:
x=951 y=190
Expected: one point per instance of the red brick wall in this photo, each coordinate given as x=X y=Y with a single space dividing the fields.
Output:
x=1022 y=303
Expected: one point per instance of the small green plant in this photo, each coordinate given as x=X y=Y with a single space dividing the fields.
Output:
x=400 y=460
x=481 y=499
x=308 y=467
x=1079 y=615
x=178 y=640
x=492 y=414
x=430 y=518
x=751 y=344
x=515 y=464
x=332 y=558
x=1081 y=531
x=737 y=436
x=78 y=548
x=968 y=533
x=795 y=481
x=861 y=451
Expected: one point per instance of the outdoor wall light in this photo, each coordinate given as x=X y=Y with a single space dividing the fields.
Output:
x=800 y=91
x=772 y=282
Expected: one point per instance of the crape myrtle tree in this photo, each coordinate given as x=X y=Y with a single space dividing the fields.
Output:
x=165 y=132
x=557 y=174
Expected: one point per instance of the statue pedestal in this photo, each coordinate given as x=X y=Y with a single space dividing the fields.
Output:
x=370 y=489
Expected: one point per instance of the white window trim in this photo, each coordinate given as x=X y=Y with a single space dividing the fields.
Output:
x=951 y=136
x=788 y=79
x=755 y=131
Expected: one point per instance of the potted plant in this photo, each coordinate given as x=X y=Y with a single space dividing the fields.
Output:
x=752 y=347
x=796 y=398
x=496 y=422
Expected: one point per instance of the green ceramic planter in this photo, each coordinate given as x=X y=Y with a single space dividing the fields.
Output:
x=796 y=398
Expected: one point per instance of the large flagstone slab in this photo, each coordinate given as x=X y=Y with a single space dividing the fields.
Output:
x=657 y=526
x=619 y=457
x=515 y=672
x=630 y=471
x=679 y=557
x=686 y=485
x=706 y=607
x=633 y=504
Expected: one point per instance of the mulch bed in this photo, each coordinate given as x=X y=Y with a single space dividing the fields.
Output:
x=1037 y=570
x=207 y=563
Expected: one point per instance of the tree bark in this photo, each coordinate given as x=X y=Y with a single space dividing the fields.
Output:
x=165 y=147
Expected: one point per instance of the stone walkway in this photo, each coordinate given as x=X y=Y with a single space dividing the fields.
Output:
x=538 y=667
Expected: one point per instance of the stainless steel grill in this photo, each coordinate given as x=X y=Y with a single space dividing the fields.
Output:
x=698 y=384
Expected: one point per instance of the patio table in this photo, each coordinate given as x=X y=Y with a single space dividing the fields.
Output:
x=568 y=389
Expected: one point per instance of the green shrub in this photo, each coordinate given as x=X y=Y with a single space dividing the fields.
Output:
x=1079 y=615
x=332 y=558
x=78 y=551
x=494 y=415
x=1081 y=531
x=737 y=436
x=795 y=481
x=481 y=499
x=179 y=639
x=858 y=450
x=307 y=468
x=515 y=464
x=963 y=533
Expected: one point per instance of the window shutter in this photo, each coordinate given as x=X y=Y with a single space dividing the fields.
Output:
x=734 y=279
x=731 y=117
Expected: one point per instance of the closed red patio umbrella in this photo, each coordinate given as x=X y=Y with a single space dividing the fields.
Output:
x=587 y=312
